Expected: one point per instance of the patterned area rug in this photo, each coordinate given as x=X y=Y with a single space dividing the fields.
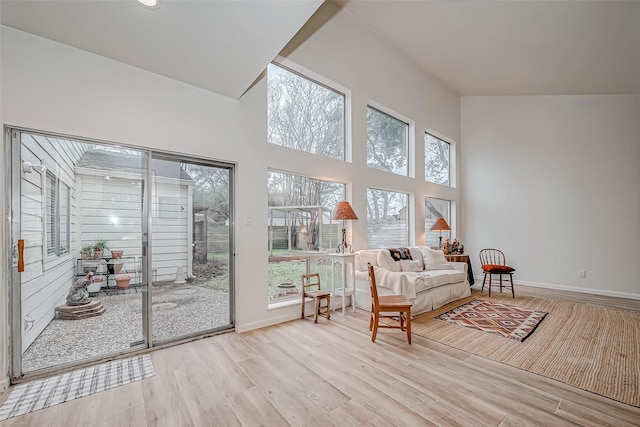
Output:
x=505 y=320
x=48 y=392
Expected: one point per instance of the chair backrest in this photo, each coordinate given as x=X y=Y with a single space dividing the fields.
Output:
x=310 y=281
x=492 y=256
x=372 y=286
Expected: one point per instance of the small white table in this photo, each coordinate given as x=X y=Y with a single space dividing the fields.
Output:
x=346 y=259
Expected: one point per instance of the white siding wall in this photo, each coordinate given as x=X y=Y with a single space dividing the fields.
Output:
x=111 y=209
x=46 y=280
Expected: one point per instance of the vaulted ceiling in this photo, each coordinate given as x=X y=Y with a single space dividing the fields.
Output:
x=474 y=47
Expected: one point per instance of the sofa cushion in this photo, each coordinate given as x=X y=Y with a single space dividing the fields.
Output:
x=366 y=256
x=411 y=265
x=385 y=261
x=416 y=254
x=400 y=253
x=434 y=259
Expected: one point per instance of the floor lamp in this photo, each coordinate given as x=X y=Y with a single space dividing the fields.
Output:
x=440 y=225
x=343 y=212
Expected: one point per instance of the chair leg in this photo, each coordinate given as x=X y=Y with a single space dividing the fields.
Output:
x=500 y=282
x=315 y=315
x=371 y=320
x=483 y=280
x=375 y=327
x=409 y=325
x=303 y=302
x=328 y=308
x=513 y=292
x=490 y=275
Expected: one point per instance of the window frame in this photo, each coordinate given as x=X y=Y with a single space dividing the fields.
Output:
x=448 y=218
x=408 y=219
x=409 y=153
x=319 y=80
x=450 y=151
x=53 y=246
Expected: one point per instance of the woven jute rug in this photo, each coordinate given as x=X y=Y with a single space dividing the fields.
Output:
x=591 y=347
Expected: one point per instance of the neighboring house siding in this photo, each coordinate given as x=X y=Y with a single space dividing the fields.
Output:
x=111 y=209
x=172 y=228
x=46 y=280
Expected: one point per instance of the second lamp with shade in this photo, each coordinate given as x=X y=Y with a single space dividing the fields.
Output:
x=343 y=212
x=440 y=225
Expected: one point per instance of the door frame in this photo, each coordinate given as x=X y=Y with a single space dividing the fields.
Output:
x=12 y=229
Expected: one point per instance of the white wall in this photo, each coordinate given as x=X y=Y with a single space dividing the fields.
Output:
x=89 y=96
x=554 y=181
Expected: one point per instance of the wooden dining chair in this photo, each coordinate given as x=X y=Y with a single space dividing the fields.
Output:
x=311 y=289
x=398 y=304
x=493 y=262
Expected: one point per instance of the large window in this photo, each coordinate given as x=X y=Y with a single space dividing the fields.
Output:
x=300 y=231
x=387 y=219
x=387 y=142
x=436 y=160
x=436 y=208
x=57 y=214
x=304 y=115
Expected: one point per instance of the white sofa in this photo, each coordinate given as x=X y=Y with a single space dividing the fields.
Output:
x=427 y=279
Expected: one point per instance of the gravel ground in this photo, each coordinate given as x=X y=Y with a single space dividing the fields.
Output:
x=177 y=310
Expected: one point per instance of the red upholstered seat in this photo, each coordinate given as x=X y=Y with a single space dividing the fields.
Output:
x=497 y=269
x=494 y=262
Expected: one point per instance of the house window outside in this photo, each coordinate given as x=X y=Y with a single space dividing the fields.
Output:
x=304 y=115
x=436 y=159
x=387 y=142
x=436 y=208
x=387 y=219
x=300 y=232
x=57 y=216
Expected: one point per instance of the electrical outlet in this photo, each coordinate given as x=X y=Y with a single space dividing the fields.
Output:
x=582 y=274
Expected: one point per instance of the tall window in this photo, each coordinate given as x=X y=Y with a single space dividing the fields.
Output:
x=436 y=159
x=387 y=219
x=436 y=208
x=387 y=142
x=299 y=230
x=57 y=215
x=304 y=115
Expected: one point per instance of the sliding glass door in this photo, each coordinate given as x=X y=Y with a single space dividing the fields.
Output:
x=191 y=248
x=115 y=249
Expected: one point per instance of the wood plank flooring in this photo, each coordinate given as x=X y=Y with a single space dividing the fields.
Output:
x=305 y=374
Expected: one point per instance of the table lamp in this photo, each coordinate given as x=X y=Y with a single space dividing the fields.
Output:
x=440 y=225
x=343 y=212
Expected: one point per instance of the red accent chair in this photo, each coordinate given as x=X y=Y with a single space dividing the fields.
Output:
x=494 y=262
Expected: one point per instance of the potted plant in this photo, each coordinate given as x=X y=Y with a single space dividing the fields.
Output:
x=117 y=253
x=122 y=281
x=98 y=248
x=85 y=251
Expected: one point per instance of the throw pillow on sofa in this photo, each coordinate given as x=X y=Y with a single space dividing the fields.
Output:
x=385 y=261
x=365 y=257
x=400 y=253
x=434 y=259
x=410 y=265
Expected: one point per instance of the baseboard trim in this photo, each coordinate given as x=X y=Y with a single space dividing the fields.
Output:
x=478 y=285
x=267 y=322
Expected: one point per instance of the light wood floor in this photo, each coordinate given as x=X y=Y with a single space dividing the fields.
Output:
x=303 y=374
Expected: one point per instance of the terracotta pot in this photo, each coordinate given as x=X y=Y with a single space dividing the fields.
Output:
x=122 y=281
x=97 y=253
x=117 y=254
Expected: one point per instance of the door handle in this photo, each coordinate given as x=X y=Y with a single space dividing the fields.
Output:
x=20 y=255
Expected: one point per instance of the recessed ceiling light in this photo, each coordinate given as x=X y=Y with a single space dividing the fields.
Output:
x=149 y=4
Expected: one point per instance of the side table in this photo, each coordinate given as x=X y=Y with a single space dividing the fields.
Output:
x=462 y=258
x=346 y=260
